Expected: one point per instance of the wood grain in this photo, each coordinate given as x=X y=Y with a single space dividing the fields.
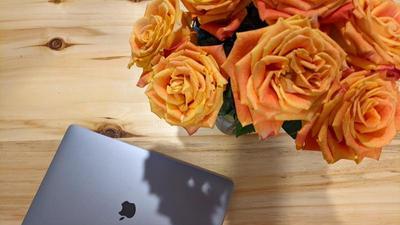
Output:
x=274 y=184
x=64 y=62
x=42 y=90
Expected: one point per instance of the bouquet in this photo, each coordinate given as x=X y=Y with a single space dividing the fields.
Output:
x=324 y=71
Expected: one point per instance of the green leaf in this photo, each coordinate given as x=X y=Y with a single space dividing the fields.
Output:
x=292 y=127
x=228 y=109
x=228 y=106
x=240 y=130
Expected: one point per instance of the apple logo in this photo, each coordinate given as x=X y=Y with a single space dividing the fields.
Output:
x=128 y=210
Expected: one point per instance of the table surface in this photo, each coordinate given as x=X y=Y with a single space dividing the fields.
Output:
x=65 y=61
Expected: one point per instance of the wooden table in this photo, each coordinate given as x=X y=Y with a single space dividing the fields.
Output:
x=65 y=61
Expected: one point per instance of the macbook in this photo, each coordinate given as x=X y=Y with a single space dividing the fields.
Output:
x=97 y=180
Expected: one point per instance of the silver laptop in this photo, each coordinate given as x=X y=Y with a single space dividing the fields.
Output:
x=97 y=180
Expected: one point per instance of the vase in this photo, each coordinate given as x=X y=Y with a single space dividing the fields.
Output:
x=226 y=124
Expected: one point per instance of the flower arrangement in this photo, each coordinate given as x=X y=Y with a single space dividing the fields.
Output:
x=324 y=71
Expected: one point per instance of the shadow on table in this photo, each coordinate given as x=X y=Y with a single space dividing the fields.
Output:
x=180 y=191
x=274 y=184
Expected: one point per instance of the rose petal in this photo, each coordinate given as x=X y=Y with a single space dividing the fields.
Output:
x=303 y=133
x=144 y=79
x=191 y=130
x=397 y=116
x=265 y=128
x=339 y=150
x=244 y=43
x=323 y=143
x=269 y=15
x=340 y=15
x=217 y=51
x=223 y=30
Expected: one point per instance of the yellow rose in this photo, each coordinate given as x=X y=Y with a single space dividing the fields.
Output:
x=219 y=17
x=371 y=36
x=359 y=117
x=161 y=28
x=271 y=10
x=282 y=72
x=187 y=87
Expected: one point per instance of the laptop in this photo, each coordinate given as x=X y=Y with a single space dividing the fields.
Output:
x=94 y=179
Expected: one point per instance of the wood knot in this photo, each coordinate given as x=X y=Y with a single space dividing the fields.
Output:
x=56 y=44
x=111 y=130
x=114 y=130
x=56 y=1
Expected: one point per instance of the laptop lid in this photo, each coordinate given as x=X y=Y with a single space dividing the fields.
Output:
x=94 y=179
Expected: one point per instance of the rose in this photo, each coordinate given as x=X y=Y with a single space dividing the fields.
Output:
x=187 y=87
x=359 y=117
x=271 y=10
x=282 y=72
x=371 y=36
x=219 y=17
x=160 y=28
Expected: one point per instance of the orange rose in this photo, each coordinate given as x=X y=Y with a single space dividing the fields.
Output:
x=159 y=29
x=282 y=72
x=371 y=36
x=271 y=10
x=219 y=17
x=359 y=117
x=187 y=87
